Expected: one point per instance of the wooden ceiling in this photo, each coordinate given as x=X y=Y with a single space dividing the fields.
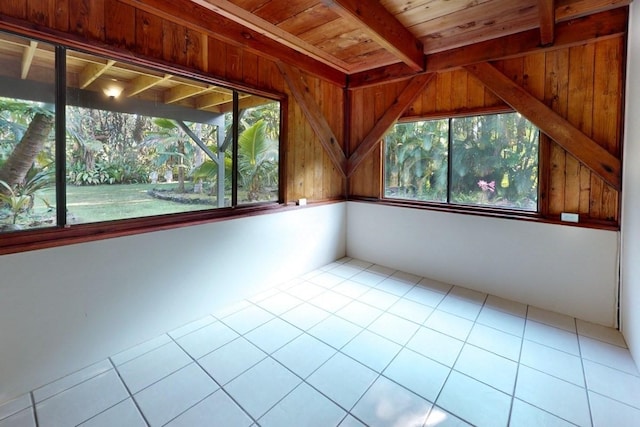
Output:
x=356 y=36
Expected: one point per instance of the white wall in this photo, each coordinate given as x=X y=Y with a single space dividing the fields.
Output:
x=630 y=252
x=64 y=308
x=569 y=270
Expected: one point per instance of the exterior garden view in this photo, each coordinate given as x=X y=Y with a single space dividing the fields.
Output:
x=121 y=165
x=489 y=160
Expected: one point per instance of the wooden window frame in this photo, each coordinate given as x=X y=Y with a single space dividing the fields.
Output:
x=62 y=234
x=541 y=215
x=447 y=206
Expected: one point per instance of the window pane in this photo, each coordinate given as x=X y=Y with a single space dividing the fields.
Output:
x=27 y=147
x=416 y=161
x=494 y=161
x=140 y=143
x=258 y=142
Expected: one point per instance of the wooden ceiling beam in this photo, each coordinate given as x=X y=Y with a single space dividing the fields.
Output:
x=91 y=72
x=27 y=58
x=547 y=21
x=254 y=22
x=143 y=83
x=400 y=104
x=196 y=17
x=302 y=93
x=383 y=28
x=212 y=99
x=180 y=92
x=577 y=31
x=583 y=148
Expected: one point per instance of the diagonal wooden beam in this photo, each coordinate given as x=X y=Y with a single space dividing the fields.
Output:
x=383 y=28
x=400 y=104
x=585 y=149
x=91 y=72
x=546 y=10
x=302 y=93
x=27 y=58
x=254 y=22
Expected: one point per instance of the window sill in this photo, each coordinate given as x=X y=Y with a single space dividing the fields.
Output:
x=28 y=240
x=512 y=214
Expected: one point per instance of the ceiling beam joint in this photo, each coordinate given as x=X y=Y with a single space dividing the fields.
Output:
x=383 y=28
x=410 y=93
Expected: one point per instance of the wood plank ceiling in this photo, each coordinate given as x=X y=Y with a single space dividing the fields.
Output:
x=357 y=36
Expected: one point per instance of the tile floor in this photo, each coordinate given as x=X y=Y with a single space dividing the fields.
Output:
x=355 y=344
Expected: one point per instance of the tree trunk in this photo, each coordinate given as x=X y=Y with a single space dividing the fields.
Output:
x=24 y=154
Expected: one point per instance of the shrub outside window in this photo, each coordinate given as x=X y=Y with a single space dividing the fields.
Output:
x=484 y=160
x=137 y=142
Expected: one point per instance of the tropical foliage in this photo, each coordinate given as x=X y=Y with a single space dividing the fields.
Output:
x=493 y=161
x=108 y=148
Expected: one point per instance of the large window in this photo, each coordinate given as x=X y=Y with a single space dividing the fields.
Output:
x=488 y=160
x=136 y=142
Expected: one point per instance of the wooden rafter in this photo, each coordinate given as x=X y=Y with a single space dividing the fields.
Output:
x=192 y=15
x=143 y=83
x=583 y=148
x=212 y=99
x=27 y=58
x=180 y=92
x=569 y=33
x=383 y=28
x=401 y=103
x=91 y=72
x=311 y=110
x=547 y=14
x=254 y=22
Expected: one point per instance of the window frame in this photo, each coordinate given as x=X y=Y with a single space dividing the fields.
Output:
x=63 y=234
x=448 y=206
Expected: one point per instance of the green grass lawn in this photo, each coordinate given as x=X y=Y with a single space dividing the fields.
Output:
x=111 y=202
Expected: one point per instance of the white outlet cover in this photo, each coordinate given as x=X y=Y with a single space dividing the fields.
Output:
x=569 y=217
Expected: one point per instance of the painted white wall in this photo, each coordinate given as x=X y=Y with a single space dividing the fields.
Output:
x=565 y=269
x=630 y=252
x=64 y=308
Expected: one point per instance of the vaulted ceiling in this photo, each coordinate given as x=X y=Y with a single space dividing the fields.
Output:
x=355 y=36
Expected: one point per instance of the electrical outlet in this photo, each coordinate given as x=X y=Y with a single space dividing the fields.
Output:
x=569 y=217
x=302 y=202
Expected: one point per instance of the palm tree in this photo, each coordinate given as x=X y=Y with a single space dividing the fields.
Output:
x=257 y=162
x=30 y=143
x=257 y=159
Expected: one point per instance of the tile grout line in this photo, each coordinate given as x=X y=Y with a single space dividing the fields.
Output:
x=515 y=380
x=451 y=370
x=542 y=372
x=220 y=386
x=126 y=387
x=33 y=406
x=584 y=373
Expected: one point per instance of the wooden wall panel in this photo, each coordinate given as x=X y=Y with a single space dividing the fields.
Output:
x=117 y=23
x=120 y=28
x=312 y=174
x=149 y=35
x=87 y=18
x=583 y=84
